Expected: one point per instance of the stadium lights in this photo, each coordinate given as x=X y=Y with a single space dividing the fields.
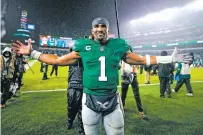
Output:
x=23 y=30
x=32 y=41
x=164 y=15
x=200 y=41
x=137 y=46
x=154 y=46
x=196 y=5
x=172 y=44
x=170 y=13
x=19 y=34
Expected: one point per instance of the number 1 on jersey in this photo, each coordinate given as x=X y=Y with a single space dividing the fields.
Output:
x=102 y=76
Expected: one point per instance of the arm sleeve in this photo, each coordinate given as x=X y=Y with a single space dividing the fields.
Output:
x=121 y=47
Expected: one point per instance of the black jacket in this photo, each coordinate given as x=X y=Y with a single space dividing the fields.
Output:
x=164 y=70
x=75 y=76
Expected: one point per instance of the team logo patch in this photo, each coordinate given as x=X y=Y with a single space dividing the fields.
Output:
x=104 y=105
x=101 y=49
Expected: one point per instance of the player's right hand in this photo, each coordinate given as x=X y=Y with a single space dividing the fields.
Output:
x=20 y=48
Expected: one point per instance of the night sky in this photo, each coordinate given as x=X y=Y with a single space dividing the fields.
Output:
x=75 y=16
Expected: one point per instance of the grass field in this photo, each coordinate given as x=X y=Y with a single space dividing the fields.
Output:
x=45 y=113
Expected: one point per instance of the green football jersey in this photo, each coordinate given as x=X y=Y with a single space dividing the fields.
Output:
x=101 y=64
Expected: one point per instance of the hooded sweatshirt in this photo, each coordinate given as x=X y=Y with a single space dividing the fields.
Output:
x=7 y=64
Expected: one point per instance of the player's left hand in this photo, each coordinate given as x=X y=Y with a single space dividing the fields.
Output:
x=181 y=58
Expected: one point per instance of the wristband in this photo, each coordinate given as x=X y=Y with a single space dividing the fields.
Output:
x=35 y=54
x=164 y=59
x=147 y=59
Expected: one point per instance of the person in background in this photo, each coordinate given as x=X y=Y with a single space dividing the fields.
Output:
x=74 y=95
x=7 y=72
x=141 y=68
x=183 y=77
x=154 y=68
x=172 y=69
x=164 y=71
x=129 y=76
x=45 y=65
x=201 y=62
x=41 y=66
x=147 y=69
x=20 y=61
x=54 y=68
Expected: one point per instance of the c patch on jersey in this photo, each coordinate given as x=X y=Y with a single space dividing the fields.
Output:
x=87 y=48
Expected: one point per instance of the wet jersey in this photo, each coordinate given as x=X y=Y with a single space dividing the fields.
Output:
x=101 y=64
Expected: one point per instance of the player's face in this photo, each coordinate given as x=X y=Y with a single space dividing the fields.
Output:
x=100 y=32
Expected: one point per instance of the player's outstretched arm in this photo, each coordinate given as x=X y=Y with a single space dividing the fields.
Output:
x=64 y=60
x=132 y=58
x=67 y=59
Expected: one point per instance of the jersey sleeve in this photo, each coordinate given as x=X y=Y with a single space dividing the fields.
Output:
x=77 y=46
x=121 y=47
x=130 y=48
x=81 y=44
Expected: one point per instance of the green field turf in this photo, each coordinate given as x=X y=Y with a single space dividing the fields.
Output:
x=45 y=113
x=35 y=82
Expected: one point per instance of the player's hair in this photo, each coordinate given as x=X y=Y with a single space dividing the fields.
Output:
x=91 y=37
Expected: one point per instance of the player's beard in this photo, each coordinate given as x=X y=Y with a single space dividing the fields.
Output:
x=101 y=36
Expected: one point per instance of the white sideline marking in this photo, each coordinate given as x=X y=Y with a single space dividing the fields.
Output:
x=154 y=84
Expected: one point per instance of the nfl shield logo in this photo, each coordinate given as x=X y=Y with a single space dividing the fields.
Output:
x=101 y=49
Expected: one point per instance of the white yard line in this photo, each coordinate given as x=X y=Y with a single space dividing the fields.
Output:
x=142 y=85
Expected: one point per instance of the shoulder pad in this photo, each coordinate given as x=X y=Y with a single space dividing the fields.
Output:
x=79 y=44
x=119 y=44
x=117 y=40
